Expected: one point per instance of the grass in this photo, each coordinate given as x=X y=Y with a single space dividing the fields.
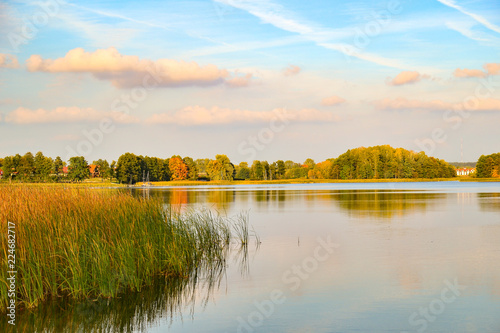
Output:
x=93 y=243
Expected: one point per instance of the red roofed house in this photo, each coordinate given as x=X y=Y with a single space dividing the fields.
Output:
x=465 y=171
x=94 y=171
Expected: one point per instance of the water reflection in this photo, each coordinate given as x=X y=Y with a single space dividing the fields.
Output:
x=381 y=204
x=489 y=202
x=356 y=203
x=164 y=300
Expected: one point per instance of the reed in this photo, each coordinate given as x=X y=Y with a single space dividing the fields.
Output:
x=89 y=243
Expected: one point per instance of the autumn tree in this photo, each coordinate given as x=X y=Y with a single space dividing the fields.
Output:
x=221 y=168
x=178 y=169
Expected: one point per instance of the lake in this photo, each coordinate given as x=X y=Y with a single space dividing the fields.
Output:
x=359 y=257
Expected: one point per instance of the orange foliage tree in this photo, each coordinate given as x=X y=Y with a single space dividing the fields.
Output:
x=178 y=168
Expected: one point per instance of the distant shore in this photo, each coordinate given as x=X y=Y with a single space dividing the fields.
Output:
x=259 y=182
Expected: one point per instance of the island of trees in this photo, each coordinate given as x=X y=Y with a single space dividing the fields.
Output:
x=378 y=162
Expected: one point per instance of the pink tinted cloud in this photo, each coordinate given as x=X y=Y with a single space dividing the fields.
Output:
x=128 y=71
x=332 y=100
x=8 y=61
x=489 y=69
x=407 y=77
x=198 y=115
x=291 y=70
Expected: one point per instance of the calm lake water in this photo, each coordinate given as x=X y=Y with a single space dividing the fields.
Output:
x=375 y=257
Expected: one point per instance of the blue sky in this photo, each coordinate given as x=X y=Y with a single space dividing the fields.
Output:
x=254 y=79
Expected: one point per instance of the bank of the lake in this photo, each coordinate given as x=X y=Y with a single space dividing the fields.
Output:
x=90 y=243
x=100 y=183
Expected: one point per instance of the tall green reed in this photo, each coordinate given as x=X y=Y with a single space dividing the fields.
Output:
x=86 y=243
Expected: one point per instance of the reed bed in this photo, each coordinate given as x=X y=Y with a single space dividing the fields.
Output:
x=83 y=243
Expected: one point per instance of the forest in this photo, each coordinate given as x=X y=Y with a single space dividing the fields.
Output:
x=488 y=166
x=378 y=162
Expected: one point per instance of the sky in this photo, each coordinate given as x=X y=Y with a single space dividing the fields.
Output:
x=252 y=79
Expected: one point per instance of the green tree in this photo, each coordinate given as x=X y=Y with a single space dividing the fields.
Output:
x=310 y=163
x=43 y=166
x=280 y=172
x=257 y=170
x=58 y=165
x=112 y=170
x=104 y=169
x=129 y=168
x=9 y=167
x=192 y=168
x=243 y=171
x=221 y=168
x=78 y=168
x=26 y=167
x=265 y=169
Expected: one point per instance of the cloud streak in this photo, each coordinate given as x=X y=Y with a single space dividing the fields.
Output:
x=482 y=20
x=400 y=104
x=277 y=16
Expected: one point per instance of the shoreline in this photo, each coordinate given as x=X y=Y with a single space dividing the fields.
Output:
x=255 y=182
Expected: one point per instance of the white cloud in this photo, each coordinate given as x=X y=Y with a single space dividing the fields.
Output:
x=65 y=115
x=239 y=80
x=198 y=115
x=129 y=71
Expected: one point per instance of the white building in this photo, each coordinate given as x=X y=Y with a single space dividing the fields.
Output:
x=465 y=171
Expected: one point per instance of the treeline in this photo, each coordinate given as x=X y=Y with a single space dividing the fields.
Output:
x=488 y=166
x=386 y=162
x=379 y=162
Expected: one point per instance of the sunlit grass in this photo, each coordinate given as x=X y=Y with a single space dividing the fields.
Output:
x=99 y=243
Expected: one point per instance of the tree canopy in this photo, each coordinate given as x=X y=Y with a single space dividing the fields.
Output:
x=378 y=162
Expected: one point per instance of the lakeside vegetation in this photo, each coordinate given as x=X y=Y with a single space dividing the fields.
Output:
x=378 y=162
x=84 y=243
x=488 y=166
